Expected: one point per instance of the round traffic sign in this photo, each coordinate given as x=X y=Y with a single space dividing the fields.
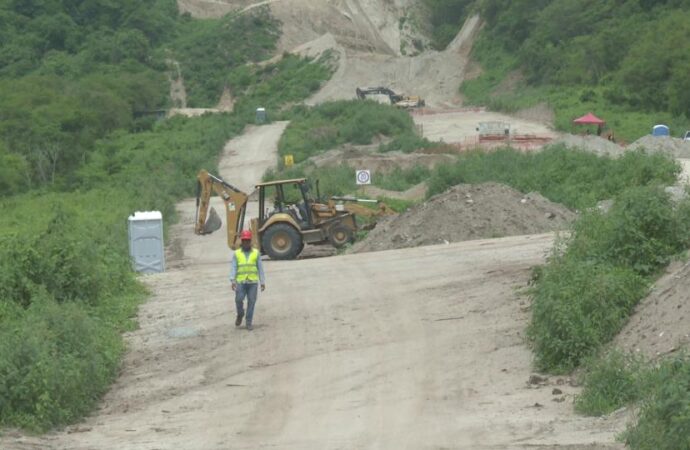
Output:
x=363 y=177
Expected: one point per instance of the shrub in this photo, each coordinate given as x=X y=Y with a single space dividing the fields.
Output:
x=577 y=307
x=400 y=179
x=610 y=382
x=275 y=86
x=55 y=362
x=208 y=50
x=664 y=418
x=642 y=231
x=575 y=178
x=328 y=125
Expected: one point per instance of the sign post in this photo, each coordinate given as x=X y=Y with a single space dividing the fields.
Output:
x=289 y=161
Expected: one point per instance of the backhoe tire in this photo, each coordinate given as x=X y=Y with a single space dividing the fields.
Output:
x=339 y=235
x=282 y=241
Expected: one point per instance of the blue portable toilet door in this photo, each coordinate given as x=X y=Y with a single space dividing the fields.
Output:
x=661 y=130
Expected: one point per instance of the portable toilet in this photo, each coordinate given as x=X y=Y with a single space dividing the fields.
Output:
x=660 y=130
x=145 y=230
x=261 y=115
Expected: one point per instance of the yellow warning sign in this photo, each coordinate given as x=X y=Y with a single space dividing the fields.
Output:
x=289 y=161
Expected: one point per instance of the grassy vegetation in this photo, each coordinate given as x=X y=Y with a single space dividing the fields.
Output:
x=208 y=50
x=277 y=87
x=493 y=90
x=611 y=381
x=593 y=280
x=401 y=179
x=65 y=281
x=613 y=58
x=577 y=179
x=340 y=180
x=447 y=17
x=328 y=125
x=664 y=417
x=660 y=390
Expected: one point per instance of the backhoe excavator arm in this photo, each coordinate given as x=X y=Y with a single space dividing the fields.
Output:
x=207 y=221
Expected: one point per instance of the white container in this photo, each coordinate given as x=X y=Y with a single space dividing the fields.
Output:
x=146 y=248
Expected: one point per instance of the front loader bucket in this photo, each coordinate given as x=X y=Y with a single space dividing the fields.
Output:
x=213 y=223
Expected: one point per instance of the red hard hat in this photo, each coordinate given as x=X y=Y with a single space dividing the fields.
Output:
x=246 y=235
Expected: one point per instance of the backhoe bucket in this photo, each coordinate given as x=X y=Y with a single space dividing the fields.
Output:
x=213 y=223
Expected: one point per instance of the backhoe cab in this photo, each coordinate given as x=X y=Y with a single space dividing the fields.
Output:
x=289 y=217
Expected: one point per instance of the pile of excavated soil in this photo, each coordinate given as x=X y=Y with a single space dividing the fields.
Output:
x=671 y=146
x=593 y=144
x=368 y=158
x=661 y=323
x=467 y=212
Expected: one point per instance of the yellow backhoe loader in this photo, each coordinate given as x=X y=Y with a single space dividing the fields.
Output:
x=288 y=216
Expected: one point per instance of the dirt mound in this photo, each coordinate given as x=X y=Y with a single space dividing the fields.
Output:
x=467 y=212
x=593 y=144
x=368 y=157
x=671 y=146
x=661 y=323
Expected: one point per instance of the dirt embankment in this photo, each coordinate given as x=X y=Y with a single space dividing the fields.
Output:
x=674 y=147
x=467 y=212
x=368 y=157
x=661 y=323
x=373 y=42
x=593 y=144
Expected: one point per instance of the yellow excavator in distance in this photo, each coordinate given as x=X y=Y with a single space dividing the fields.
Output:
x=283 y=227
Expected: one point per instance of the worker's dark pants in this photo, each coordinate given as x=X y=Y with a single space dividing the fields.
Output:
x=250 y=291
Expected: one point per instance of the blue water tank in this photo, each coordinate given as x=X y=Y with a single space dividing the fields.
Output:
x=660 y=130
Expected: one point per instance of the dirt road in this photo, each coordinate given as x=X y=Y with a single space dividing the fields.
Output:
x=458 y=127
x=417 y=348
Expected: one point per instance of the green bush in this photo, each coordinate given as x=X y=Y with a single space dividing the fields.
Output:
x=277 y=86
x=664 y=418
x=209 y=50
x=447 y=17
x=577 y=307
x=575 y=178
x=588 y=288
x=610 y=382
x=64 y=261
x=642 y=231
x=328 y=125
x=55 y=362
x=401 y=179
x=408 y=142
x=581 y=56
x=66 y=286
x=661 y=392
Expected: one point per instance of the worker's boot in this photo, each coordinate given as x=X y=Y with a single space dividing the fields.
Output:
x=238 y=321
x=250 y=327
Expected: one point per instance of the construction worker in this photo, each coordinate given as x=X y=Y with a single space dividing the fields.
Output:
x=246 y=273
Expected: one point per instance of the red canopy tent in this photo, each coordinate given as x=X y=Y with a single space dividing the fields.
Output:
x=589 y=119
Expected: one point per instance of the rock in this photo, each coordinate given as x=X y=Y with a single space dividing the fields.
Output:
x=536 y=379
x=557 y=391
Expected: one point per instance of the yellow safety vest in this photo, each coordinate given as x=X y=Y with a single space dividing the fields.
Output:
x=247 y=268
